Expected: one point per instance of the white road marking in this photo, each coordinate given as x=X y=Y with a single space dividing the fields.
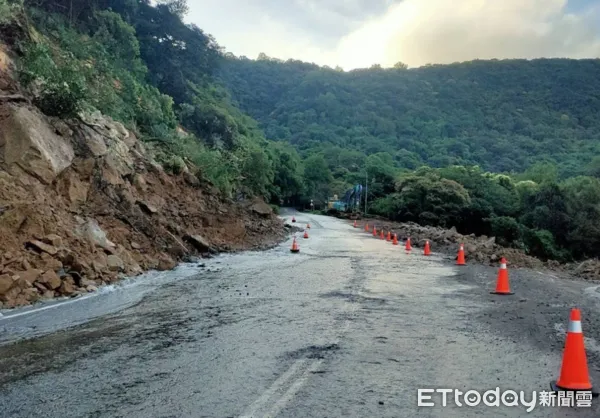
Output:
x=301 y=370
x=291 y=392
x=55 y=305
x=252 y=410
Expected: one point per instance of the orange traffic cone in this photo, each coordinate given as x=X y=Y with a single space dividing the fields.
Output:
x=293 y=219
x=427 y=250
x=395 y=241
x=502 y=285
x=295 y=248
x=366 y=227
x=408 y=247
x=374 y=231
x=307 y=226
x=574 y=375
x=305 y=234
x=355 y=223
x=460 y=259
x=382 y=235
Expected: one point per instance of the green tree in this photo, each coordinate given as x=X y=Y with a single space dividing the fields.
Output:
x=317 y=178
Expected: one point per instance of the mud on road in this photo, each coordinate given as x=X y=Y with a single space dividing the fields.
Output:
x=350 y=326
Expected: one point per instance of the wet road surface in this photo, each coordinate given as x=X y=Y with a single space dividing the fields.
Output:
x=351 y=326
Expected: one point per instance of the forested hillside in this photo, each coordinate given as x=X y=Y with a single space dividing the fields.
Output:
x=501 y=115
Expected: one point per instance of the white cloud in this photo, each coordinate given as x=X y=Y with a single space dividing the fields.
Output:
x=418 y=32
x=358 y=33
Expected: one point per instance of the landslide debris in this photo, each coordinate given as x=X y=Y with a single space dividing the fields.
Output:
x=83 y=203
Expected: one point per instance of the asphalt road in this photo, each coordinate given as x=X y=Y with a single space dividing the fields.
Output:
x=349 y=327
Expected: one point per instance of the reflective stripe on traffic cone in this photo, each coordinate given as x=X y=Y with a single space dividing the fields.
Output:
x=295 y=248
x=408 y=247
x=427 y=250
x=460 y=260
x=502 y=284
x=574 y=374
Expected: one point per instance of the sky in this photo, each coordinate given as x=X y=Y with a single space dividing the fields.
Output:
x=359 y=33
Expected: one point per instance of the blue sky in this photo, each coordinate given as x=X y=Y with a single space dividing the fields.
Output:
x=578 y=5
x=359 y=33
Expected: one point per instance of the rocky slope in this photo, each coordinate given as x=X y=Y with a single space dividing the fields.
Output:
x=82 y=203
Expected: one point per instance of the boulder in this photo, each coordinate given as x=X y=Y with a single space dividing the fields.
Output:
x=199 y=242
x=30 y=275
x=73 y=189
x=111 y=175
x=118 y=158
x=84 y=167
x=42 y=247
x=95 y=235
x=140 y=183
x=61 y=128
x=21 y=283
x=147 y=207
x=53 y=239
x=28 y=142
x=31 y=295
x=115 y=263
x=90 y=142
x=191 y=179
x=262 y=208
x=86 y=282
x=100 y=263
x=6 y=283
x=11 y=295
x=165 y=262
x=131 y=266
x=25 y=264
x=66 y=288
x=50 y=279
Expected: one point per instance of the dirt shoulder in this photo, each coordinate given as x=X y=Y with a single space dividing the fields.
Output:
x=481 y=249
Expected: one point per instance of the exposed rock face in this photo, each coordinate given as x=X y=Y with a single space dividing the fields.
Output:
x=28 y=142
x=81 y=204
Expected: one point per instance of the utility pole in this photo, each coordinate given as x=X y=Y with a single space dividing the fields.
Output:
x=366 y=189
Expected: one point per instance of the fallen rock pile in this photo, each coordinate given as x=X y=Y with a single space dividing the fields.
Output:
x=83 y=203
x=480 y=249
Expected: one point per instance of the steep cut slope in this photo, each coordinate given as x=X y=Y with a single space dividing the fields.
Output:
x=82 y=203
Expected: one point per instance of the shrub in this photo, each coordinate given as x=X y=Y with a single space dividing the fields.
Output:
x=540 y=243
x=506 y=229
x=59 y=89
